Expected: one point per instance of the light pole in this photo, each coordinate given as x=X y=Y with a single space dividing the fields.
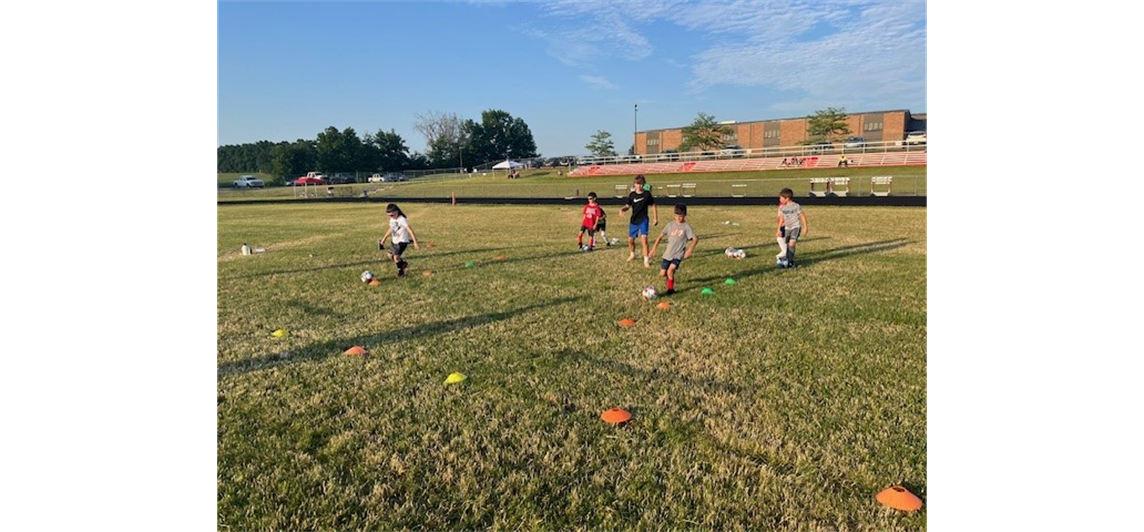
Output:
x=635 y=127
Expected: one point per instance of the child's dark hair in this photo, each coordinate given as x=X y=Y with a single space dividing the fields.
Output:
x=592 y=195
x=640 y=179
x=392 y=207
x=681 y=209
x=786 y=193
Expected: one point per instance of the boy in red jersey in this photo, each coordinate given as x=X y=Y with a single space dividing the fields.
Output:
x=592 y=214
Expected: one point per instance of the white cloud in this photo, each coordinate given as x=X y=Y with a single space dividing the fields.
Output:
x=857 y=54
x=598 y=82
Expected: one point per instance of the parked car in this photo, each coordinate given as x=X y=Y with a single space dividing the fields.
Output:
x=342 y=178
x=669 y=155
x=915 y=138
x=855 y=142
x=248 y=181
x=376 y=178
x=820 y=147
x=734 y=150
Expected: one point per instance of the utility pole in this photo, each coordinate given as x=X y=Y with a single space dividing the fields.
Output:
x=635 y=126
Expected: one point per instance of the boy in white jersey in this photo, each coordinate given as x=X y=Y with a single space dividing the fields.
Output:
x=791 y=225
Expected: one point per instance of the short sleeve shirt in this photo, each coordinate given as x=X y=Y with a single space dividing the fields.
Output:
x=790 y=213
x=592 y=214
x=677 y=236
x=400 y=228
x=639 y=202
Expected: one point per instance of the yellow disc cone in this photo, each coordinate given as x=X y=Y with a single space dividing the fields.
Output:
x=454 y=378
x=278 y=333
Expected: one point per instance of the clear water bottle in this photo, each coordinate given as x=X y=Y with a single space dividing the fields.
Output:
x=245 y=249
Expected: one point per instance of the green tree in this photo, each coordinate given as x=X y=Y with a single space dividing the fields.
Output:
x=339 y=151
x=384 y=152
x=601 y=144
x=827 y=125
x=445 y=138
x=704 y=134
x=497 y=137
x=291 y=160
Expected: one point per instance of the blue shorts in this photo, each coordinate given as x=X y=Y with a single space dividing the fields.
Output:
x=635 y=230
x=663 y=264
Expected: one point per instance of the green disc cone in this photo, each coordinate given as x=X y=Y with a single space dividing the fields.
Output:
x=707 y=291
x=729 y=281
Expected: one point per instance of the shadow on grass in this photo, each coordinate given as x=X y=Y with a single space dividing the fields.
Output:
x=807 y=259
x=381 y=258
x=372 y=341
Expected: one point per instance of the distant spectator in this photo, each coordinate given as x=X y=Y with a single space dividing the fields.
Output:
x=784 y=163
x=843 y=161
x=329 y=192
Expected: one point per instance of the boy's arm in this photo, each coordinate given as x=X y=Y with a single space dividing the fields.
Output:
x=655 y=214
x=655 y=245
x=805 y=227
x=779 y=229
x=691 y=248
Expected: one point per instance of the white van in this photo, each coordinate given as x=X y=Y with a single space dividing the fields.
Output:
x=915 y=137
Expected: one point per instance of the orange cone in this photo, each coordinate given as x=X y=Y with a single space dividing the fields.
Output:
x=427 y=273
x=356 y=350
x=374 y=282
x=616 y=416
x=899 y=498
x=663 y=305
x=627 y=322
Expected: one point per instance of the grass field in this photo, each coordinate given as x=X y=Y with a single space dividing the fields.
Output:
x=785 y=401
x=908 y=181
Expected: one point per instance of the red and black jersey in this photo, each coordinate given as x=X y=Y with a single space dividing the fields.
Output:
x=592 y=213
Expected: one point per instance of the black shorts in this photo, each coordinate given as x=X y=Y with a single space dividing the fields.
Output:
x=398 y=248
x=601 y=225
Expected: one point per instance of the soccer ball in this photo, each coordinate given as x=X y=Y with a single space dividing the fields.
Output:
x=649 y=293
x=366 y=276
x=740 y=254
x=730 y=252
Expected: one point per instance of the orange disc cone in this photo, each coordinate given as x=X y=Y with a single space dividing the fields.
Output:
x=374 y=282
x=663 y=305
x=616 y=416
x=426 y=273
x=501 y=257
x=356 y=350
x=627 y=322
x=899 y=498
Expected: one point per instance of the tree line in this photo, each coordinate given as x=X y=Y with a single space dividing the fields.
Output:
x=454 y=142
x=451 y=143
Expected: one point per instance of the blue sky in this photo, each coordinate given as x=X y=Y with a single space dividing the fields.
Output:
x=288 y=70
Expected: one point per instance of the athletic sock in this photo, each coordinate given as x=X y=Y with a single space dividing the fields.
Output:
x=671 y=284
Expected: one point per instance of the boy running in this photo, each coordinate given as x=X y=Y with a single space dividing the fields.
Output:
x=678 y=232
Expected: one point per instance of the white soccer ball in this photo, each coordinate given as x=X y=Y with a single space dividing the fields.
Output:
x=740 y=254
x=649 y=292
x=730 y=252
x=366 y=276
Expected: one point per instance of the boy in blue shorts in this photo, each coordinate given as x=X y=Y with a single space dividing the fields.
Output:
x=678 y=232
x=791 y=225
x=639 y=199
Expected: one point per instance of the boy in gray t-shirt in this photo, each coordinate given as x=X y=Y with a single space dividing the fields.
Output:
x=678 y=232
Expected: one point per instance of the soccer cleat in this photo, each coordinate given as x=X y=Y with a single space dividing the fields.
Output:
x=669 y=292
x=631 y=256
x=647 y=262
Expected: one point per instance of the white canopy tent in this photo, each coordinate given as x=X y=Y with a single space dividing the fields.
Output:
x=507 y=165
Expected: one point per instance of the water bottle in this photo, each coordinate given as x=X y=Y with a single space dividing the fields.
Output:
x=245 y=249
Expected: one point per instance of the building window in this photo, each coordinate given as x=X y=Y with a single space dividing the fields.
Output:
x=771 y=134
x=653 y=142
x=873 y=126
